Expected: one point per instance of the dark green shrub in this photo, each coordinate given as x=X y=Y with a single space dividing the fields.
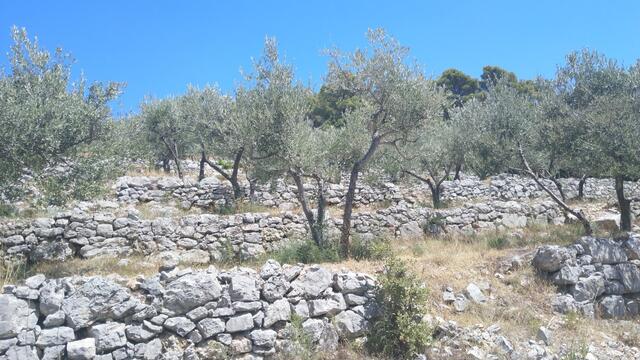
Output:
x=85 y=179
x=225 y=164
x=398 y=331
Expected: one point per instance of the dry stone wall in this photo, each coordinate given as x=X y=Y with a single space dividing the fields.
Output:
x=211 y=192
x=184 y=314
x=597 y=277
x=516 y=187
x=206 y=237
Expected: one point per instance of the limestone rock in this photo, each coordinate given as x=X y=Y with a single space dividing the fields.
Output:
x=191 y=291
x=280 y=310
x=84 y=349
x=55 y=336
x=92 y=301
x=16 y=315
x=313 y=281
x=209 y=327
x=108 y=336
x=551 y=258
x=350 y=325
x=604 y=251
x=239 y=323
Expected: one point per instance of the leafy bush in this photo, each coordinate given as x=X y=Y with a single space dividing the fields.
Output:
x=82 y=180
x=225 y=164
x=306 y=252
x=377 y=249
x=399 y=331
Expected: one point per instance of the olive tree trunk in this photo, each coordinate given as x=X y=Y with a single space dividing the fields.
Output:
x=624 y=205
x=315 y=222
x=233 y=177
x=434 y=185
x=588 y=230
x=559 y=188
x=345 y=237
x=583 y=180
x=203 y=162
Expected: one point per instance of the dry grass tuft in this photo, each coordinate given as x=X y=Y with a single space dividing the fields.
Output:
x=129 y=267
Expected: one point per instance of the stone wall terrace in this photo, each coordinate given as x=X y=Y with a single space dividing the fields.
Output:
x=184 y=314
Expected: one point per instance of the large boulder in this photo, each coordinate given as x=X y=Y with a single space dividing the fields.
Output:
x=350 y=325
x=209 y=327
x=551 y=258
x=605 y=251
x=108 y=336
x=240 y=323
x=55 y=336
x=608 y=222
x=612 y=307
x=514 y=221
x=313 y=281
x=93 y=301
x=190 y=291
x=280 y=310
x=84 y=349
x=632 y=247
x=322 y=334
x=630 y=277
x=179 y=325
x=567 y=275
x=16 y=315
x=589 y=288
x=411 y=230
x=351 y=283
x=275 y=288
x=243 y=288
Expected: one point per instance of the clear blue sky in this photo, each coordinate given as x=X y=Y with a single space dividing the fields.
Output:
x=158 y=47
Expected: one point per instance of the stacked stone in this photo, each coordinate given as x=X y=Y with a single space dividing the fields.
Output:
x=212 y=192
x=184 y=313
x=517 y=187
x=596 y=276
x=205 y=237
x=199 y=238
x=404 y=220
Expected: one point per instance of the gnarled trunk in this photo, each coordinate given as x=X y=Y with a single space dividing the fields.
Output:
x=624 y=205
x=166 y=166
x=202 y=164
x=316 y=223
x=559 y=187
x=233 y=177
x=581 y=183
x=458 y=170
x=578 y=214
x=345 y=236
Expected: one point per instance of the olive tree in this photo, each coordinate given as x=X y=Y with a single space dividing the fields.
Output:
x=430 y=156
x=207 y=112
x=286 y=141
x=604 y=100
x=166 y=130
x=395 y=100
x=507 y=127
x=46 y=118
